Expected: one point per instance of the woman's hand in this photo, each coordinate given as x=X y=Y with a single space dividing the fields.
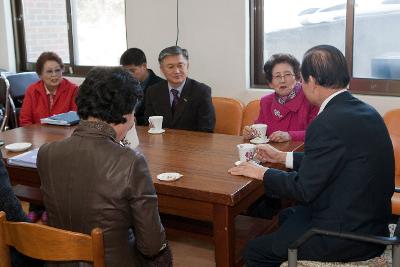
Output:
x=250 y=170
x=280 y=136
x=248 y=132
x=268 y=153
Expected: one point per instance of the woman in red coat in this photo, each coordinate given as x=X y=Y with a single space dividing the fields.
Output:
x=51 y=95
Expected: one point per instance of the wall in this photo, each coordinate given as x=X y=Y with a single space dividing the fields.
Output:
x=216 y=34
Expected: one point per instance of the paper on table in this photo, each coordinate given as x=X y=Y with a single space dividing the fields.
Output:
x=131 y=139
x=27 y=159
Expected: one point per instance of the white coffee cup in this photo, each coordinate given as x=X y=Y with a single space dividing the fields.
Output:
x=156 y=122
x=246 y=152
x=259 y=130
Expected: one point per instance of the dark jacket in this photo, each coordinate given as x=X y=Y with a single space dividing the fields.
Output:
x=194 y=112
x=344 y=178
x=10 y=204
x=89 y=180
x=139 y=110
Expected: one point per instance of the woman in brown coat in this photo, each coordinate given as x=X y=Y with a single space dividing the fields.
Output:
x=90 y=180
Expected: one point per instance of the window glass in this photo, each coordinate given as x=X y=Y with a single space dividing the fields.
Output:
x=46 y=28
x=295 y=26
x=99 y=31
x=376 y=39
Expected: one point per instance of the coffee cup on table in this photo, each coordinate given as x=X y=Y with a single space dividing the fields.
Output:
x=259 y=130
x=156 y=122
x=246 y=152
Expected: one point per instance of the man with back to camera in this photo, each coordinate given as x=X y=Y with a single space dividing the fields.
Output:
x=183 y=102
x=134 y=61
x=343 y=181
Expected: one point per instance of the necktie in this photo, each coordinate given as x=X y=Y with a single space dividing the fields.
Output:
x=175 y=100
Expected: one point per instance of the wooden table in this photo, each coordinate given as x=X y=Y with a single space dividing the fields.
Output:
x=206 y=192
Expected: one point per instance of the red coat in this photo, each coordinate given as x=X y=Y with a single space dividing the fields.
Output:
x=36 y=102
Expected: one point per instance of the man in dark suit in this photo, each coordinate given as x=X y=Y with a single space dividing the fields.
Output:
x=343 y=181
x=183 y=102
x=134 y=61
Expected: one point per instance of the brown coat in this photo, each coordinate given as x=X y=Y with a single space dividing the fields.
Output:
x=89 y=180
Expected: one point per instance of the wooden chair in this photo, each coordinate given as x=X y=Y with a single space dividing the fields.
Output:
x=392 y=121
x=48 y=243
x=228 y=114
x=250 y=113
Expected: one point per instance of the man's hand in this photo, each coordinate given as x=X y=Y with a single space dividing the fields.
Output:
x=279 y=136
x=268 y=153
x=250 y=170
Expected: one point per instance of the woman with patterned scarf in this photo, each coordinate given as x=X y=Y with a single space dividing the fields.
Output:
x=287 y=112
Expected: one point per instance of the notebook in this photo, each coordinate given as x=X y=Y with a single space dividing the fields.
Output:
x=27 y=159
x=68 y=118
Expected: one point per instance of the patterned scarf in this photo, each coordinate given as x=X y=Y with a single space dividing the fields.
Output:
x=283 y=99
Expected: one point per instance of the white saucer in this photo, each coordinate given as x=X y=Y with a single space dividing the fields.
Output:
x=259 y=140
x=154 y=131
x=169 y=176
x=18 y=147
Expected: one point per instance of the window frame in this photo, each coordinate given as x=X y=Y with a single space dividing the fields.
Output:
x=70 y=69
x=369 y=85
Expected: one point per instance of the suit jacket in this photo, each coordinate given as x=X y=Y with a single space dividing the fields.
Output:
x=345 y=176
x=89 y=180
x=194 y=112
x=140 y=107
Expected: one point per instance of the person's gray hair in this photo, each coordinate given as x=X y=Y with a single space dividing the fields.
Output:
x=173 y=51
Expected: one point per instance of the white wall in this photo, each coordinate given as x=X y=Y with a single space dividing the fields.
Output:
x=216 y=34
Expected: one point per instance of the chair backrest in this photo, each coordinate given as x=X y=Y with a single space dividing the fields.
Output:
x=19 y=82
x=48 y=243
x=228 y=114
x=392 y=121
x=4 y=103
x=250 y=113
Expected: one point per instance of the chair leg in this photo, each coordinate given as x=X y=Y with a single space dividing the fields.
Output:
x=292 y=258
x=396 y=255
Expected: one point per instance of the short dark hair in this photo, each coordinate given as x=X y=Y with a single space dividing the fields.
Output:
x=327 y=65
x=173 y=51
x=44 y=57
x=281 y=58
x=108 y=93
x=133 y=56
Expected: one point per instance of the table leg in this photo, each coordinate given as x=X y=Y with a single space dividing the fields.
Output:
x=224 y=235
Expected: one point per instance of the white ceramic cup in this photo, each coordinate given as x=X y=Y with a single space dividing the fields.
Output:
x=246 y=152
x=156 y=122
x=260 y=130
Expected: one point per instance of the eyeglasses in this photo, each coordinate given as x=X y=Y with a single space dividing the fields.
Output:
x=285 y=77
x=56 y=72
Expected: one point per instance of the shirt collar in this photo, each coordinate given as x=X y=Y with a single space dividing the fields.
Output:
x=179 y=88
x=326 y=101
x=48 y=92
